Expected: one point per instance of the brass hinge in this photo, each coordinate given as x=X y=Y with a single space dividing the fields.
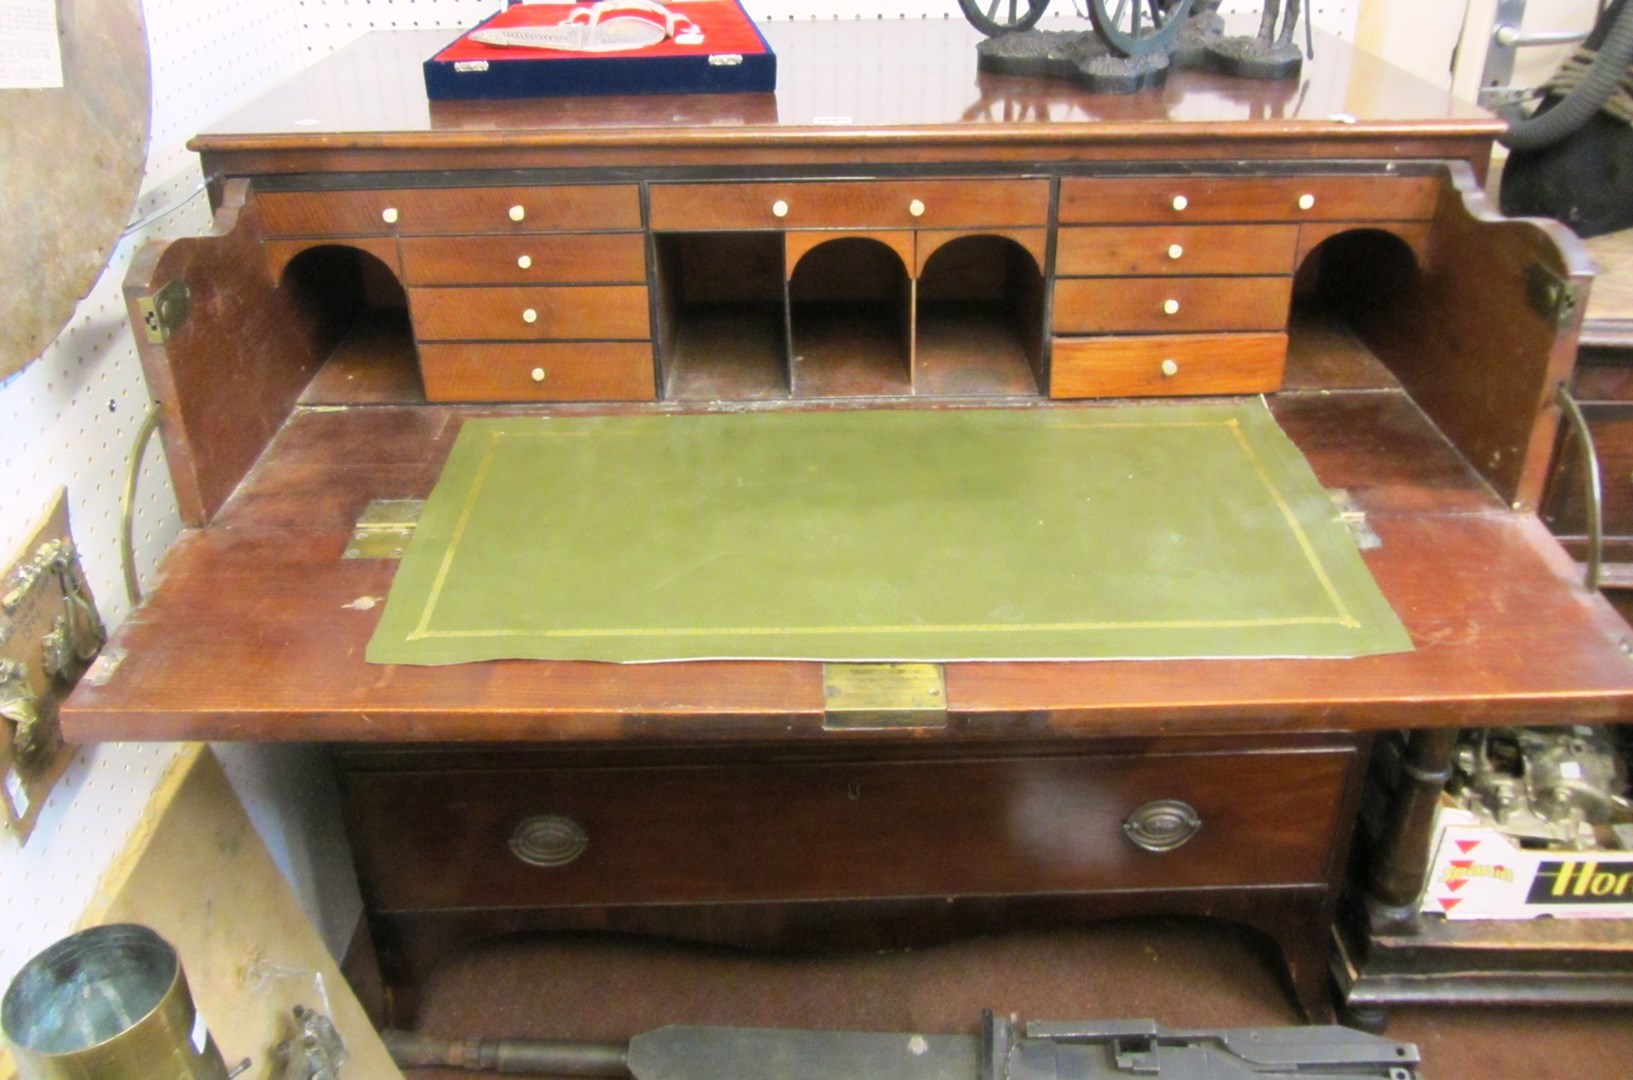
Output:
x=384 y=529
x=1553 y=297
x=164 y=312
x=863 y=697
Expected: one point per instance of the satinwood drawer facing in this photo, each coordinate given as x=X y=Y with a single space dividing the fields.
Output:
x=1162 y=365
x=442 y=211
x=1112 y=251
x=870 y=204
x=546 y=371
x=439 y=841
x=1237 y=199
x=547 y=258
x=518 y=313
x=1171 y=305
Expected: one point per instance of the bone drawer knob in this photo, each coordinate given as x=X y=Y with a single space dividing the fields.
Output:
x=518 y=213
x=1170 y=307
x=530 y=316
x=1181 y=202
x=389 y=215
x=1306 y=202
x=779 y=209
x=1175 y=251
x=537 y=374
x=1169 y=368
x=916 y=208
x=525 y=261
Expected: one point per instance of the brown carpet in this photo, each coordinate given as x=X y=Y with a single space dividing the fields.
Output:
x=1181 y=973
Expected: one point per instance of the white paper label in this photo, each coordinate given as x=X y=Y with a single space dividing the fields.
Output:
x=201 y=1033
x=1570 y=770
x=16 y=794
x=470 y=65
x=30 y=54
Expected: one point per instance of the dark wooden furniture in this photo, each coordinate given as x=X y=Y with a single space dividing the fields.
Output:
x=901 y=233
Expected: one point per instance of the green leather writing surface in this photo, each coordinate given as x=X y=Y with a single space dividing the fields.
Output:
x=1064 y=533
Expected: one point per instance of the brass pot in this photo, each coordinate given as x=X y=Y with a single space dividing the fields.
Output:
x=108 y=1003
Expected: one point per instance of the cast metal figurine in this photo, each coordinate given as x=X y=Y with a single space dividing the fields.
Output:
x=1134 y=43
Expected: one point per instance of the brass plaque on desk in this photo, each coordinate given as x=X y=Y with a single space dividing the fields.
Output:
x=883 y=535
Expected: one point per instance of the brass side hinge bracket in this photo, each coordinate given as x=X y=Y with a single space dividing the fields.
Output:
x=164 y=312
x=384 y=529
x=872 y=697
x=1552 y=297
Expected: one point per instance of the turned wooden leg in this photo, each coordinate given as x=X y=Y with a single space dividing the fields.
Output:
x=1399 y=867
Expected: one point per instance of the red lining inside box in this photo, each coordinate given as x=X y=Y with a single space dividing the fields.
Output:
x=726 y=29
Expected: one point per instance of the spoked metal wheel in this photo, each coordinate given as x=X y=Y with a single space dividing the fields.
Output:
x=994 y=17
x=1138 y=27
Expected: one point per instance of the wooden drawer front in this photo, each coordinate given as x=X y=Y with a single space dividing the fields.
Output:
x=874 y=204
x=502 y=313
x=547 y=258
x=1171 y=305
x=1176 y=249
x=1167 y=365
x=548 y=371
x=441 y=840
x=433 y=211
x=1247 y=198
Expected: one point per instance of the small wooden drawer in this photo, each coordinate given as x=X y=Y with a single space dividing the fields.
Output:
x=448 y=840
x=1112 y=251
x=516 y=313
x=545 y=258
x=441 y=211
x=1171 y=305
x=1256 y=198
x=548 y=371
x=873 y=204
x=1167 y=365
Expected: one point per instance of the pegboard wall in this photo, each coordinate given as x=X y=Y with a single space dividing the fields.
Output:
x=70 y=419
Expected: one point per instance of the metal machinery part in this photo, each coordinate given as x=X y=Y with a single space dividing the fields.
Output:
x=1002 y=1051
x=314 y=1052
x=1501 y=53
x=1547 y=787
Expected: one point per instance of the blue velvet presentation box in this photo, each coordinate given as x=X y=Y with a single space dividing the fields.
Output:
x=732 y=57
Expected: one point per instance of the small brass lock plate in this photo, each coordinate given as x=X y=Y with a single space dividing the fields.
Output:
x=875 y=697
x=384 y=529
x=164 y=312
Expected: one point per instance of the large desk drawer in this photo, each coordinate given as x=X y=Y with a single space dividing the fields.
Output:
x=513 y=313
x=440 y=841
x=1171 y=305
x=1247 y=198
x=872 y=204
x=433 y=211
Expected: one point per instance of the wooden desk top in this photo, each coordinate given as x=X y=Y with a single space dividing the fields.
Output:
x=257 y=627
x=871 y=89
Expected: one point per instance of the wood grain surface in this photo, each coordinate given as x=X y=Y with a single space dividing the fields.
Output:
x=1503 y=630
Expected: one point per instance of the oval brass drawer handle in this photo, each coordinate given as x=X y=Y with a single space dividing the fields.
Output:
x=1162 y=825
x=548 y=840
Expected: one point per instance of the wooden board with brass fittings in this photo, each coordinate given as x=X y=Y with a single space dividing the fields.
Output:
x=49 y=633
